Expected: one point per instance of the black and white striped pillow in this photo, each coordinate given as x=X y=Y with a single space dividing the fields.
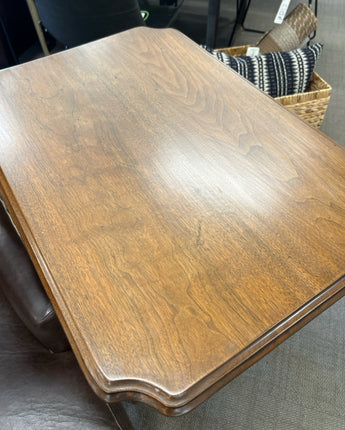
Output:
x=276 y=73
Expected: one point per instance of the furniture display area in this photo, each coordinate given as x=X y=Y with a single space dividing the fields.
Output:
x=178 y=251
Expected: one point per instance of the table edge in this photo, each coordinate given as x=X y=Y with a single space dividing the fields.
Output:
x=171 y=404
x=179 y=404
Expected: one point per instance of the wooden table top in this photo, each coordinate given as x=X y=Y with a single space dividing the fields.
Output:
x=182 y=222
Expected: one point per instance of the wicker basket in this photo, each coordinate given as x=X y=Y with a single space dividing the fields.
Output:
x=311 y=105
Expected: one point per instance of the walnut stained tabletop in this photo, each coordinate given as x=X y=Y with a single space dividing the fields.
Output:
x=182 y=222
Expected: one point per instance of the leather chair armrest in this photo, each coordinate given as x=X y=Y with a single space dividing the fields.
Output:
x=24 y=290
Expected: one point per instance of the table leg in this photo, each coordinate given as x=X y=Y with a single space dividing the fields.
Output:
x=241 y=13
x=213 y=16
x=212 y=22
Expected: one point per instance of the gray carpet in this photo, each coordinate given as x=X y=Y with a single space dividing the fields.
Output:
x=300 y=385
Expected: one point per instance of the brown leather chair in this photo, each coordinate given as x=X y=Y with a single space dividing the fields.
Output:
x=24 y=290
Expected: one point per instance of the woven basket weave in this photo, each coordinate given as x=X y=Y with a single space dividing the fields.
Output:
x=296 y=27
x=311 y=105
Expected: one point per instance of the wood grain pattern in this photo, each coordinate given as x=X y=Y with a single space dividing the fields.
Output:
x=183 y=223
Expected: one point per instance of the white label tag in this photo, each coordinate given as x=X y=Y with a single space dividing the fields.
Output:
x=252 y=51
x=284 y=5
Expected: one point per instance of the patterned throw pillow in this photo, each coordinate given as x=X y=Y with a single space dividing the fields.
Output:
x=276 y=73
